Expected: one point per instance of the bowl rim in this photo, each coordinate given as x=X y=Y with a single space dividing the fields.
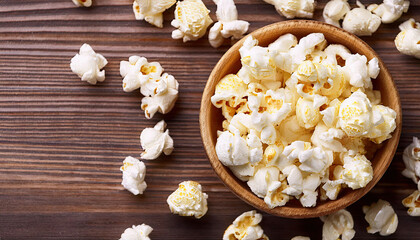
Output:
x=235 y=187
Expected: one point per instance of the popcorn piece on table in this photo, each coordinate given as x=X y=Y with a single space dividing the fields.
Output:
x=192 y=20
x=154 y=141
x=408 y=40
x=412 y=202
x=294 y=8
x=338 y=224
x=139 y=232
x=137 y=71
x=246 y=226
x=381 y=218
x=361 y=21
x=87 y=65
x=411 y=158
x=384 y=121
x=357 y=171
x=151 y=10
x=390 y=10
x=228 y=25
x=300 y=238
x=83 y=3
x=334 y=11
x=188 y=200
x=134 y=172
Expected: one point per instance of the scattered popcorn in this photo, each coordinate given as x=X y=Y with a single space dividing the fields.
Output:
x=411 y=158
x=134 y=172
x=412 y=202
x=408 y=40
x=192 y=20
x=87 y=65
x=188 y=200
x=83 y=3
x=154 y=141
x=334 y=11
x=300 y=116
x=361 y=21
x=139 y=232
x=300 y=238
x=381 y=218
x=246 y=226
x=160 y=90
x=357 y=171
x=390 y=10
x=228 y=25
x=338 y=224
x=294 y=8
x=151 y=10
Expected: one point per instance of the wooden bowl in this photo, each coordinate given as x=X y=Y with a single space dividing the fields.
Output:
x=211 y=117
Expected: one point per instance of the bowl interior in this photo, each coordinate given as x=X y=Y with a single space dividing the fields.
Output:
x=211 y=117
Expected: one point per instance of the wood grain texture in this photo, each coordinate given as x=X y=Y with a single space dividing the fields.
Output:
x=211 y=117
x=62 y=141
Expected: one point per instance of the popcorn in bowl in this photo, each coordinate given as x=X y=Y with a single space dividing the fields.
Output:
x=301 y=118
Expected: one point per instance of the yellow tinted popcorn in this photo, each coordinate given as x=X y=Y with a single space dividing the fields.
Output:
x=151 y=10
x=412 y=202
x=83 y=3
x=246 y=226
x=188 y=200
x=338 y=225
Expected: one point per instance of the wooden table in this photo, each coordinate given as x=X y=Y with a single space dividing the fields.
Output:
x=62 y=141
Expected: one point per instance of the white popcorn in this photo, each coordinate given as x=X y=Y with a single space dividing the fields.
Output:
x=232 y=149
x=230 y=89
x=390 y=10
x=87 y=65
x=262 y=179
x=334 y=11
x=381 y=218
x=355 y=116
x=137 y=71
x=328 y=138
x=360 y=72
x=83 y=3
x=408 y=40
x=192 y=20
x=283 y=44
x=332 y=188
x=134 y=172
x=307 y=116
x=151 y=10
x=275 y=196
x=412 y=202
x=331 y=113
x=188 y=200
x=294 y=8
x=357 y=171
x=154 y=141
x=300 y=238
x=338 y=224
x=411 y=158
x=256 y=62
x=228 y=25
x=361 y=21
x=313 y=160
x=246 y=227
x=384 y=121
x=139 y=232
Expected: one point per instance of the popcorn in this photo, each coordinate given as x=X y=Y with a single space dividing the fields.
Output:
x=294 y=8
x=328 y=138
x=411 y=158
x=134 y=172
x=385 y=123
x=246 y=226
x=283 y=44
x=300 y=238
x=151 y=10
x=407 y=41
x=154 y=141
x=87 y=65
x=335 y=84
x=334 y=11
x=137 y=70
x=188 y=200
x=262 y=179
x=83 y=3
x=228 y=25
x=331 y=113
x=355 y=116
x=232 y=149
x=192 y=20
x=307 y=116
x=275 y=196
x=313 y=160
x=360 y=72
x=290 y=131
x=230 y=90
x=390 y=10
x=412 y=202
x=357 y=171
x=256 y=62
x=139 y=232
x=338 y=224
x=381 y=218
x=361 y=21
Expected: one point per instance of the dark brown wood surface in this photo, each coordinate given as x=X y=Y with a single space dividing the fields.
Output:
x=62 y=141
